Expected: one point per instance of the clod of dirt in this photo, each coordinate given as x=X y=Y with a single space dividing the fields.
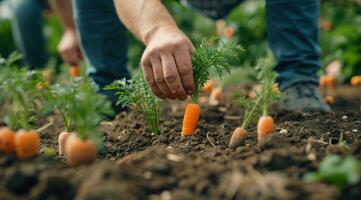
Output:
x=21 y=179
x=53 y=186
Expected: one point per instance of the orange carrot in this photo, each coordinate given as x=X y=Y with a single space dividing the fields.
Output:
x=327 y=82
x=228 y=32
x=276 y=89
x=329 y=99
x=190 y=120
x=215 y=96
x=7 y=140
x=26 y=144
x=62 y=138
x=208 y=87
x=356 y=80
x=238 y=137
x=265 y=127
x=78 y=152
x=74 y=71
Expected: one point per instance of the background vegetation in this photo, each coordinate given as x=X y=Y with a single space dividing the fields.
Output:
x=340 y=32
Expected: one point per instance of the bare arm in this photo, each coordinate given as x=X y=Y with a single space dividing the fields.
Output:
x=69 y=45
x=64 y=9
x=166 y=61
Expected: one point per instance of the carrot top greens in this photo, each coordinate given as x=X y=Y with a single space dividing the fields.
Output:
x=20 y=94
x=136 y=92
x=207 y=58
x=80 y=106
x=269 y=91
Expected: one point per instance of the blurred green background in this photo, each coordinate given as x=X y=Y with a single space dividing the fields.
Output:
x=340 y=35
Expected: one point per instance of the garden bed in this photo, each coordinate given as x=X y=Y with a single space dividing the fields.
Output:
x=135 y=165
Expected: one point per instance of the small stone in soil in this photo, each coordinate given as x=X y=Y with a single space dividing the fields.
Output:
x=344 y=118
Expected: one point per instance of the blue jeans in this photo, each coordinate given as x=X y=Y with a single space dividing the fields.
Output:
x=27 y=29
x=103 y=41
x=292 y=33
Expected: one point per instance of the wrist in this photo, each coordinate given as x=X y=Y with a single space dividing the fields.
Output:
x=156 y=30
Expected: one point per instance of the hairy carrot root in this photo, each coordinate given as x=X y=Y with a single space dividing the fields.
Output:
x=215 y=96
x=7 y=140
x=190 y=120
x=208 y=87
x=238 y=137
x=26 y=144
x=79 y=152
x=74 y=71
x=265 y=126
x=62 y=138
x=356 y=80
x=329 y=99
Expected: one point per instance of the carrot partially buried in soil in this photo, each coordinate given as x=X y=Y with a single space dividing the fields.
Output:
x=251 y=111
x=74 y=71
x=7 y=140
x=265 y=127
x=268 y=94
x=327 y=82
x=26 y=144
x=204 y=60
x=191 y=117
x=62 y=138
x=215 y=96
x=356 y=80
x=329 y=99
x=83 y=111
x=78 y=151
x=208 y=87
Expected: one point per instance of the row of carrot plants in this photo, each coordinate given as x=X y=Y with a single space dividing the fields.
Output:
x=28 y=96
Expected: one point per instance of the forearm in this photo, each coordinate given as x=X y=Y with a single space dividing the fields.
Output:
x=143 y=17
x=64 y=9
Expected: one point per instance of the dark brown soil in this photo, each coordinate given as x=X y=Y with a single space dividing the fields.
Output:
x=134 y=165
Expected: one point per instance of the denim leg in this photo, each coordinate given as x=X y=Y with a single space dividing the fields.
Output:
x=293 y=36
x=103 y=41
x=27 y=28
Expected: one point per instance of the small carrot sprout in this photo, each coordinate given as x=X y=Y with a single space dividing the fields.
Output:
x=251 y=109
x=206 y=58
x=89 y=109
x=137 y=92
x=269 y=92
x=22 y=97
x=63 y=99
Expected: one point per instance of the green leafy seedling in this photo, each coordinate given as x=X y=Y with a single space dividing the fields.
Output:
x=21 y=96
x=336 y=170
x=269 y=92
x=207 y=59
x=136 y=92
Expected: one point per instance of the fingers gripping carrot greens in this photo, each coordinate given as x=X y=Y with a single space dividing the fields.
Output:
x=137 y=92
x=206 y=59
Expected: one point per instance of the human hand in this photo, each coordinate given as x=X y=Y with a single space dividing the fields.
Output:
x=167 y=64
x=69 y=48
